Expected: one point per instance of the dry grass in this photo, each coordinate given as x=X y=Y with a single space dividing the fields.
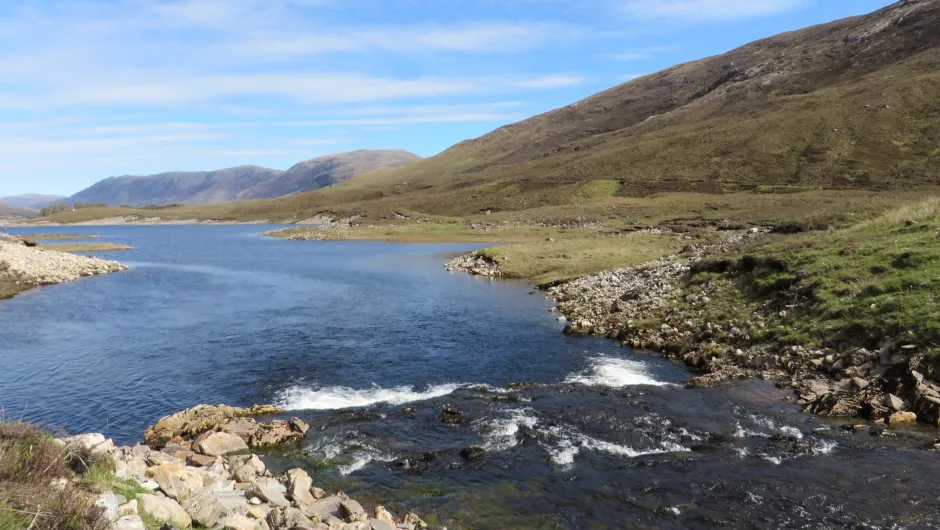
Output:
x=31 y=463
x=920 y=212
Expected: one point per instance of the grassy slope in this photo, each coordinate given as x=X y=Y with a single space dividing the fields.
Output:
x=854 y=104
x=841 y=288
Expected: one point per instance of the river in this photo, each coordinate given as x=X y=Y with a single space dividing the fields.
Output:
x=369 y=341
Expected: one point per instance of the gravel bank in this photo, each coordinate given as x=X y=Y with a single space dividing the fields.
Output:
x=656 y=307
x=27 y=266
x=197 y=471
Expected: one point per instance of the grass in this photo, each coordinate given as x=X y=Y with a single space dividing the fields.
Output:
x=845 y=288
x=30 y=461
x=85 y=247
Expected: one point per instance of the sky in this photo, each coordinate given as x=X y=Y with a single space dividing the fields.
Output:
x=97 y=88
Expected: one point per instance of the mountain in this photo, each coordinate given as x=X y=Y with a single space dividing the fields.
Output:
x=849 y=104
x=32 y=201
x=328 y=170
x=237 y=183
x=10 y=211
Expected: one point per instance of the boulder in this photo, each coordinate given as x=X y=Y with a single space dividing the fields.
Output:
x=203 y=508
x=275 y=433
x=288 y=519
x=164 y=510
x=199 y=419
x=198 y=460
x=379 y=524
x=221 y=444
x=109 y=503
x=93 y=442
x=129 y=522
x=299 y=484
x=238 y=522
x=259 y=512
x=383 y=515
x=167 y=476
x=329 y=506
x=894 y=403
x=411 y=521
x=902 y=417
x=128 y=508
x=358 y=525
x=299 y=425
x=351 y=511
x=271 y=491
x=244 y=428
x=246 y=468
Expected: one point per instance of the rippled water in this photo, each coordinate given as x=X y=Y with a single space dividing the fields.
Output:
x=369 y=341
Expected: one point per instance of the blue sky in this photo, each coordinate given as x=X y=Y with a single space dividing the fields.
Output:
x=96 y=88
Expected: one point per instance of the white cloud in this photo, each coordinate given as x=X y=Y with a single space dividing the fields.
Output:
x=551 y=81
x=709 y=10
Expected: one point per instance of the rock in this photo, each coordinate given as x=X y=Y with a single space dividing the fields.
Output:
x=451 y=415
x=237 y=522
x=411 y=521
x=270 y=491
x=298 y=488
x=860 y=383
x=166 y=476
x=203 y=508
x=318 y=493
x=358 y=525
x=894 y=403
x=221 y=444
x=288 y=519
x=199 y=419
x=129 y=508
x=246 y=468
x=472 y=453
x=129 y=522
x=902 y=417
x=351 y=511
x=108 y=501
x=164 y=510
x=259 y=512
x=334 y=523
x=198 y=460
x=378 y=524
x=383 y=515
x=275 y=433
x=298 y=425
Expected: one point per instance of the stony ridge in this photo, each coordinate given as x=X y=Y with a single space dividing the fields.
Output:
x=29 y=266
x=199 y=472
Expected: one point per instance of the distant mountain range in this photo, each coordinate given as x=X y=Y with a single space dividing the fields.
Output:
x=9 y=211
x=237 y=183
x=33 y=201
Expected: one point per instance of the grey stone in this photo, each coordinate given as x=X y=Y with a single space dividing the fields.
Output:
x=221 y=444
x=288 y=519
x=894 y=403
x=203 y=508
x=164 y=510
x=246 y=468
x=378 y=524
x=270 y=491
x=109 y=502
x=129 y=522
x=352 y=511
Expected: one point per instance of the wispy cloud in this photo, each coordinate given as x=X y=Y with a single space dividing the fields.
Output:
x=551 y=81
x=694 y=11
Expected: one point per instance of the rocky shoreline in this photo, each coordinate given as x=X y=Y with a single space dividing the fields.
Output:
x=24 y=266
x=197 y=470
x=653 y=307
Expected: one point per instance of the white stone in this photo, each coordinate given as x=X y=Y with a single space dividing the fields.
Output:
x=129 y=522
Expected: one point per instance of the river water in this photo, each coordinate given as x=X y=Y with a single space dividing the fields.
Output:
x=369 y=341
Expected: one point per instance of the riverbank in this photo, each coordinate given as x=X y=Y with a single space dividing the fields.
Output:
x=846 y=318
x=24 y=266
x=197 y=471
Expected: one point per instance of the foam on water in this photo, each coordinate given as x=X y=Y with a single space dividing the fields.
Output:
x=339 y=397
x=569 y=443
x=500 y=435
x=616 y=373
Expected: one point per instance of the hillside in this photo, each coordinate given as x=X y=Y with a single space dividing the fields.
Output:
x=237 y=183
x=326 y=171
x=853 y=104
x=33 y=201
x=10 y=211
